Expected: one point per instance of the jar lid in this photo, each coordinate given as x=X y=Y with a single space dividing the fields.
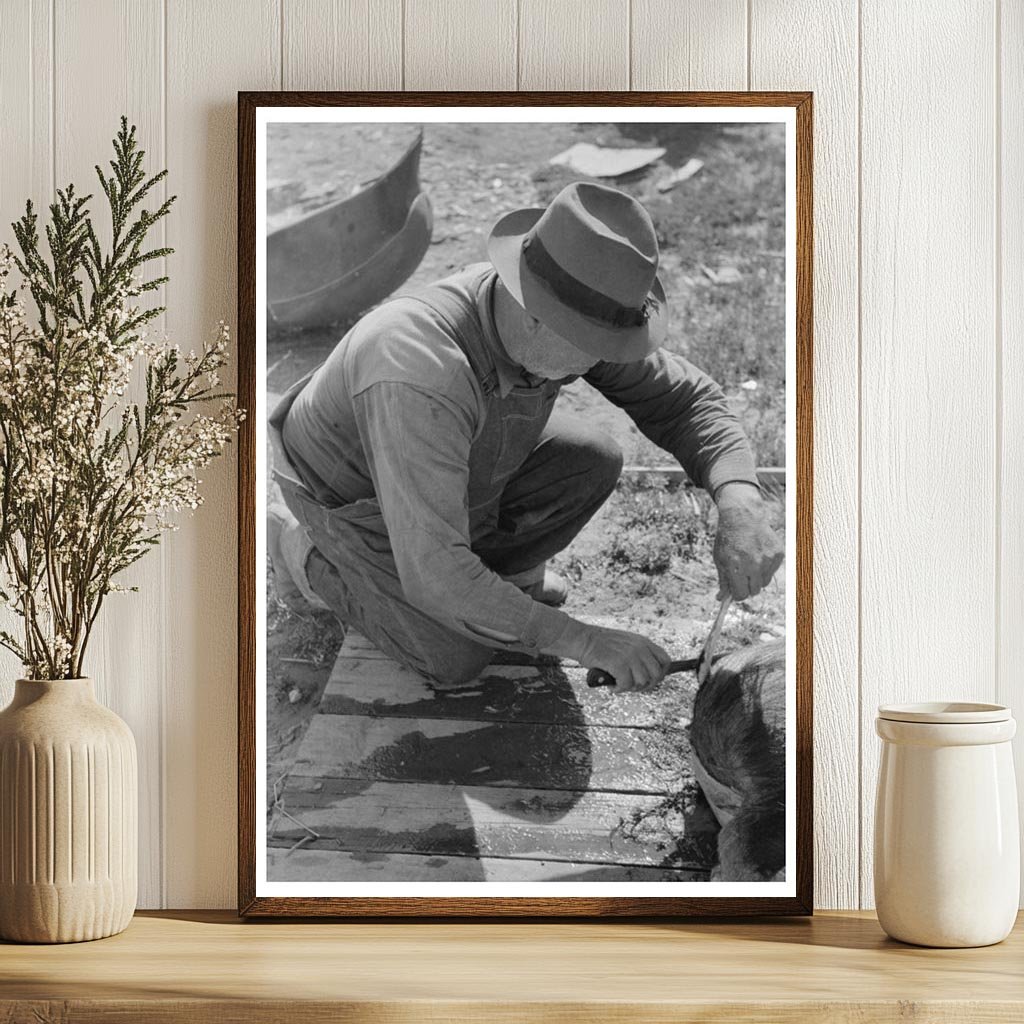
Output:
x=945 y=713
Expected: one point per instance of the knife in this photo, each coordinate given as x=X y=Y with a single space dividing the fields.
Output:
x=597 y=677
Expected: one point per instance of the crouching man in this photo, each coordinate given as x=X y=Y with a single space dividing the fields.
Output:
x=428 y=482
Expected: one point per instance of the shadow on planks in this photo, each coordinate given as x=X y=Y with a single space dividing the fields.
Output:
x=523 y=774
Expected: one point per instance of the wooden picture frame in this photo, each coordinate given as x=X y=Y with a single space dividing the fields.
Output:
x=798 y=900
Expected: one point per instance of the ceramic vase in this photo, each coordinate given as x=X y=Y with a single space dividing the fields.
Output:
x=68 y=815
x=947 y=847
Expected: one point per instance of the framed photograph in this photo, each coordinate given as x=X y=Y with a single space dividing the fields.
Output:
x=525 y=504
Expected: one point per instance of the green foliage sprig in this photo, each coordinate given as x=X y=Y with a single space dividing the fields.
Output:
x=90 y=477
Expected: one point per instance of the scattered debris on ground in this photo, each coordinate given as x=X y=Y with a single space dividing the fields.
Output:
x=688 y=170
x=604 y=162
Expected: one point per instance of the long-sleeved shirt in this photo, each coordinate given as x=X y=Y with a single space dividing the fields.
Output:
x=393 y=413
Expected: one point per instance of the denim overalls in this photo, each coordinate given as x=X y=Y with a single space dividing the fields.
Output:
x=525 y=503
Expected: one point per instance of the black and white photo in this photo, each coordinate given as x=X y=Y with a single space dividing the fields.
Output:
x=525 y=441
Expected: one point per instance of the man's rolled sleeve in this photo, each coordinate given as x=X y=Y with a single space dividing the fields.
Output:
x=417 y=443
x=682 y=410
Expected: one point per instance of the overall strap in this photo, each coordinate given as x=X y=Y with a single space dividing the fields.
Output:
x=455 y=302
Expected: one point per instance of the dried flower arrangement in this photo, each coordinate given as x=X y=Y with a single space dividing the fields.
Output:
x=89 y=477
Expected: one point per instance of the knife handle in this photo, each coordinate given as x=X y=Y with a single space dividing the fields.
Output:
x=598 y=677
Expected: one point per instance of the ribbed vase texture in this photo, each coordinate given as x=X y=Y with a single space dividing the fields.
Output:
x=68 y=815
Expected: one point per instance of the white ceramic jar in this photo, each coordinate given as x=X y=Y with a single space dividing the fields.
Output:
x=947 y=847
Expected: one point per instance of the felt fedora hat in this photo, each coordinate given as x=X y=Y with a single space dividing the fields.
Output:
x=587 y=268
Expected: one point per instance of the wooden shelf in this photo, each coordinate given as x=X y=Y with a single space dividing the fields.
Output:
x=208 y=966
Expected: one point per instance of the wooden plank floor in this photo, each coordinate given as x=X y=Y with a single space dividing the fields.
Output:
x=523 y=774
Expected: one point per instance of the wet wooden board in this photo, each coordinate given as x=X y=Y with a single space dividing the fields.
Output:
x=363 y=685
x=597 y=827
x=303 y=865
x=523 y=773
x=484 y=754
x=356 y=645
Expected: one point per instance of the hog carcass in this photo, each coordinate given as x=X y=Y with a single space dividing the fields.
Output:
x=738 y=737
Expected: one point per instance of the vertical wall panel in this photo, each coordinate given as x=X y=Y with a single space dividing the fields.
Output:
x=26 y=68
x=17 y=59
x=689 y=44
x=1011 y=251
x=460 y=44
x=122 y=656
x=800 y=45
x=213 y=51
x=26 y=172
x=343 y=44
x=573 y=44
x=26 y=101
x=928 y=356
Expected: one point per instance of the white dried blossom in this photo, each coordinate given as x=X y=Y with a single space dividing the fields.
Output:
x=103 y=428
x=88 y=483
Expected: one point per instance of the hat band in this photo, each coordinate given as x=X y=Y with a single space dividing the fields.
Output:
x=579 y=296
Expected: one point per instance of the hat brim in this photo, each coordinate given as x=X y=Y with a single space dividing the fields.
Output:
x=593 y=336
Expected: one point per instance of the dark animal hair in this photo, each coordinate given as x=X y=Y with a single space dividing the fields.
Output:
x=738 y=733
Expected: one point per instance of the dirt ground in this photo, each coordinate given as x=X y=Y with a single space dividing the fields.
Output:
x=644 y=562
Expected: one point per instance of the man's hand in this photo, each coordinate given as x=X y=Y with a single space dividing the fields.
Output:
x=747 y=550
x=635 y=662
